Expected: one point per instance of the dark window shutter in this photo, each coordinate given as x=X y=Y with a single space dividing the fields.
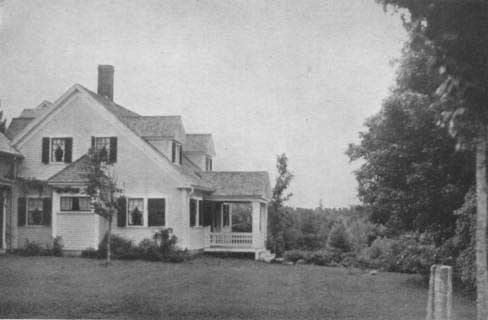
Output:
x=193 y=212
x=113 y=149
x=181 y=154
x=21 y=211
x=156 y=209
x=47 y=210
x=200 y=213
x=122 y=212
x=93 y=142
x=173 y=151
x=210 y=164
x=68 y=150
x=45 y=150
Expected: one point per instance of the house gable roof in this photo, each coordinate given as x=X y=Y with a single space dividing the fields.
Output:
x=181 y=175
x=199 y=143
x=238 y=184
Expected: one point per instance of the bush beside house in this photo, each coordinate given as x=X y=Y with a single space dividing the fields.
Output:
x=162 y=247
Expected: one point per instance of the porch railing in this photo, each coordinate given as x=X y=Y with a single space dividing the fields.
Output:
x=230 y=239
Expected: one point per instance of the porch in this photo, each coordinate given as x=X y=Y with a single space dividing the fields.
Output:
x=234 y=226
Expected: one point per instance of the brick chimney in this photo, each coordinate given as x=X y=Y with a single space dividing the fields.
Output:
x=106 y=81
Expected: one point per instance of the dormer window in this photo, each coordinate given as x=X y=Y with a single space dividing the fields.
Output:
x=208 y=163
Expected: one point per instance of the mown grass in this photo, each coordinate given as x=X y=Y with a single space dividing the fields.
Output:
x=206 y=288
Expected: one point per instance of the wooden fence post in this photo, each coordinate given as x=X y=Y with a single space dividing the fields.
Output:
x=439 y=303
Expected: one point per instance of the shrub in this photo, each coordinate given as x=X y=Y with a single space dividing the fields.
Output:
x=338 y=238
x=57 y=249
x=120 y=247
x=409 y=253
x=381 y=254
x=295 y=255
x=166 y=243
x=31 y=248
x=91 y=253
x=329 y=257
x=161 y=248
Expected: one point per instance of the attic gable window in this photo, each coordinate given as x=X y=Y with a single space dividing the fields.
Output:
x=106 y=148
x=57 y=149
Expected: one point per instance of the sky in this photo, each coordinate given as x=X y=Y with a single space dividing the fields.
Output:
x=264 y=77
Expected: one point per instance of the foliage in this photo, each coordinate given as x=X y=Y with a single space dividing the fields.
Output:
x=326 y=257
x=27 y=185
x=57 y=249
x=103 y=190
x=412 y=178
x=276 y=211
x=463 y=243
x=409 y=253
x=338 y=238
x=120 y=246
x=162 y=247
x=90 y=253
x=32 y=248
x=454 y=34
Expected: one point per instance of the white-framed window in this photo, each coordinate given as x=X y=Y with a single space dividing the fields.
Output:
x=75 y=203
x=262 y=216
x=58 y=149
x=35 y=212
x=135 y=210
x=102 y=147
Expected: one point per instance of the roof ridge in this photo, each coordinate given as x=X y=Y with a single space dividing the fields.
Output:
x=157 y=116
x=238 y=171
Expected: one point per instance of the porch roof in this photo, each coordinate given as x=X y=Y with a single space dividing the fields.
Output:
x=7 y=148
x=238 y=184
x=75 y=173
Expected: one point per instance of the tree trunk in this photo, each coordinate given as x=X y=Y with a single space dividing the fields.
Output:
x=481 y=224
x=109 y=240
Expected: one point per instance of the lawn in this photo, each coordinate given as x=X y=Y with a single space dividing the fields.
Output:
x=206 y=288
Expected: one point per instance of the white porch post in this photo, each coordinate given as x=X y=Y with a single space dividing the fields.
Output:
x=54 y=214
x=230 y=216
x=221 y=217
x=4 y=223
x=255 y=225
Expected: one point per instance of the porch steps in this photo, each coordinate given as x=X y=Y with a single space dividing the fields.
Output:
x=266 y=256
